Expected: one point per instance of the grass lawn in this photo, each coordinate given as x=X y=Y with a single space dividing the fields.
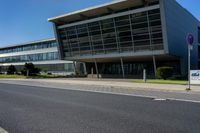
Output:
x=4 y=76
x=179 y=82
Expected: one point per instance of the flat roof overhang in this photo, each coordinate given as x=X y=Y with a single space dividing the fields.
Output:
x=110 y=7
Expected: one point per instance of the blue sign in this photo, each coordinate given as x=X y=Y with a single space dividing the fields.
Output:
x=190 y=39
x=195 y=77
x=195 y=74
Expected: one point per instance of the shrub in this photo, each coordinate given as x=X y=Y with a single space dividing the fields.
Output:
x=30 y=70
x=164 y=72
x=11 y=70
x=49 y=73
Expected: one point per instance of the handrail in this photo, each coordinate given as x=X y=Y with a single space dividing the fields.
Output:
x=120 y=50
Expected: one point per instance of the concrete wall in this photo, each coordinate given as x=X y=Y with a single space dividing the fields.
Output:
x=179 y=22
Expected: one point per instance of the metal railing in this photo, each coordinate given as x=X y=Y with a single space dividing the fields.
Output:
x=117 y=50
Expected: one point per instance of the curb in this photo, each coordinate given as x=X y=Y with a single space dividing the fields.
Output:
x=2 y=130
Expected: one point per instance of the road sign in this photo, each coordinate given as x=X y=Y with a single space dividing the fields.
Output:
x=190 y=42
x=190 y=39
x=195 y=76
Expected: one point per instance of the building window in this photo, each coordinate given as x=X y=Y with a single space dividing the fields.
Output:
x=32 y=57
x=27 y=47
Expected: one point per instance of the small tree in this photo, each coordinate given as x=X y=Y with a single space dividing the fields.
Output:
x=30 y=70
x=45 y=70
x=11 y=70
x=164 y=72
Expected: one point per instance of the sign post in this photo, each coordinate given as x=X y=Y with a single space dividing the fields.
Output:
x=190 y=42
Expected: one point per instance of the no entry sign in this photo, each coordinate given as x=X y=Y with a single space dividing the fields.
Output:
x=190 y=39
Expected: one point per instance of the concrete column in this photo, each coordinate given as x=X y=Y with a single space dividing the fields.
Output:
x=96 y=66
x=122 y=66
x=85 y=68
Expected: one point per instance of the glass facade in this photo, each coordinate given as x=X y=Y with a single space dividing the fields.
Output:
x=132 y=32
x=64 y=67
x=10 y=55
x=69 y=67
x=34 y=46
x=30 y=58
x=131 y=68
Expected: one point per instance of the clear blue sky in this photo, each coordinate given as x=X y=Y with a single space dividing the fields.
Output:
x=26 y=20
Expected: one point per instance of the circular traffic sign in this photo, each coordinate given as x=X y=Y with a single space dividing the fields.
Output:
x=190 y=39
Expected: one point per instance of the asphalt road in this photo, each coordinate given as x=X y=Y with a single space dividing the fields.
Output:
x=25 y=109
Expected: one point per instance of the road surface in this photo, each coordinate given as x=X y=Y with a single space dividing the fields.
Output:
x=26 y=109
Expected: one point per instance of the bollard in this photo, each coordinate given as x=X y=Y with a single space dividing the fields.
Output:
x=144 y=75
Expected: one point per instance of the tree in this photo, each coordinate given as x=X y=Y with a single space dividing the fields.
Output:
x=164 y=72
x=11 y=70
x=30 y=70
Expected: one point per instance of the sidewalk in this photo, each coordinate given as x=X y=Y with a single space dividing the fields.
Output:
x=118 y=83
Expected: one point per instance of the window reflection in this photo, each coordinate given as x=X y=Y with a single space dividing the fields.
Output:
x=31 y=57
x=35 y=46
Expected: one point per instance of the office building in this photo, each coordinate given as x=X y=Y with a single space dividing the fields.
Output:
x=42 y=53
x=123 y=37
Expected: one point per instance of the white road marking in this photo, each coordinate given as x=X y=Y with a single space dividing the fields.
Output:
x=184 y=100
x=159 y=99
x=135 y=95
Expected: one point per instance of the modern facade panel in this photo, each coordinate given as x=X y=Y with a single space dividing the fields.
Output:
x=128 y=33
x=180 y=23
x=124 y=37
